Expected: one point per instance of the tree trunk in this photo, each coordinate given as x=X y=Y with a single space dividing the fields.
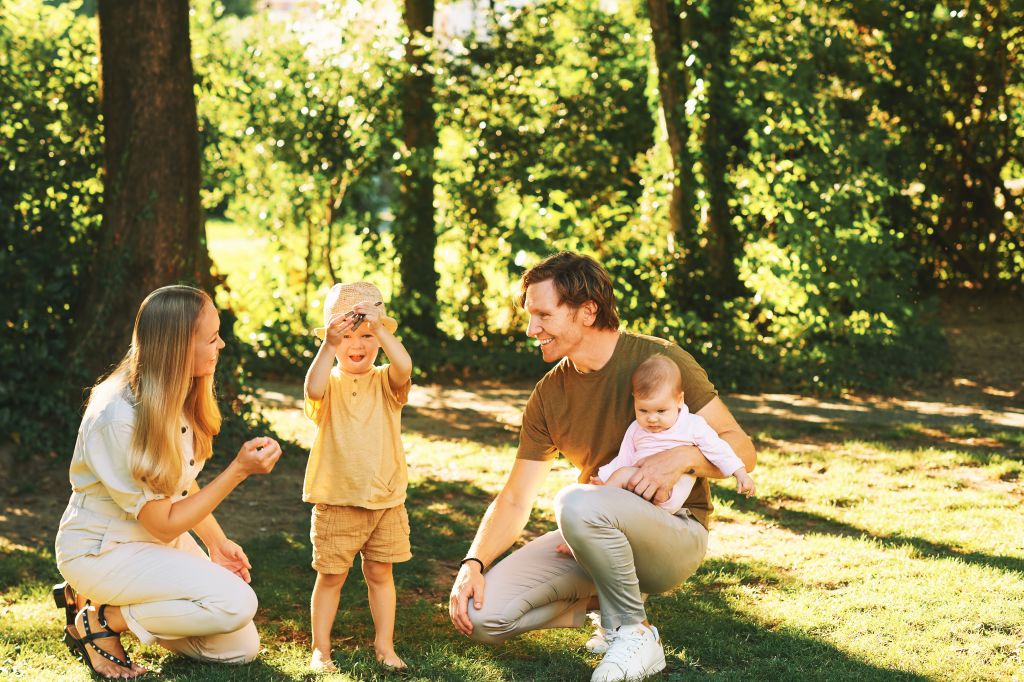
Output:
x=415 y=237
x=723 y=240
x=668 y=32
x=153 y=232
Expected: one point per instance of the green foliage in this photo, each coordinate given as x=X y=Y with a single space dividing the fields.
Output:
x=856 y=154
x=50 y=197
x=544 y=126
x=297 y=136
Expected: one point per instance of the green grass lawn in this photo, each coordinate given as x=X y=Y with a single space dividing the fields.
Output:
x=872 y=552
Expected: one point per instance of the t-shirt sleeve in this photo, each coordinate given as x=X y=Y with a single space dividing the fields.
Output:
x=316 y=410
x=106 y=453
x=401 y=396
x=698 y=390
x=534 y=437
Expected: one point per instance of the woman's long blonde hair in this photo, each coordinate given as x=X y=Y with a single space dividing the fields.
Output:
x=157 y=370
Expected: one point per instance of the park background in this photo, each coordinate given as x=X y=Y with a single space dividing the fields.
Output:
x=821 y=200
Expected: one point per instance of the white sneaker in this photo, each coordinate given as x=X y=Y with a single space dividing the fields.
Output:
x=634 y=653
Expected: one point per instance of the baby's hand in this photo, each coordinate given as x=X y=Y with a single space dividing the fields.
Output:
x=563 y=548
x=594 y=480
x=744 y=483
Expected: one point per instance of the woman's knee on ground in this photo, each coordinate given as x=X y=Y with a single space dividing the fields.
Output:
x=246 y=648
x=239 y=647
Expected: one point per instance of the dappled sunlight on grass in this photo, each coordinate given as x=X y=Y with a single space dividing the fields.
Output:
x=882 y=551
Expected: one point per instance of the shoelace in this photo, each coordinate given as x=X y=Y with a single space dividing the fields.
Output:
x=625 y=647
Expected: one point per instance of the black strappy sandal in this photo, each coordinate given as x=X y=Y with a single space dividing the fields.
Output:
x=77 y=646
x=64 y=597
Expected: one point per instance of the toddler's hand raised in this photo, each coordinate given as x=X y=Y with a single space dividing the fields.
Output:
x=369 y=316
x=336 y=328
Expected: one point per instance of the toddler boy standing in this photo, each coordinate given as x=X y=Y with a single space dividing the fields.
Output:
x=356 y=475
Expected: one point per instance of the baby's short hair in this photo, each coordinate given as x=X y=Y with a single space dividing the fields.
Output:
x=654 y=373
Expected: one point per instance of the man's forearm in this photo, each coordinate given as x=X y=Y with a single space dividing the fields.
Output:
x=501 y=526
x=742 y=445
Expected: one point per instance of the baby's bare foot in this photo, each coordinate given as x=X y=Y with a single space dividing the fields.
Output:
x=564 y=549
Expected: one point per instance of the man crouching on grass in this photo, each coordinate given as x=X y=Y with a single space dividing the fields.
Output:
x=581 y=408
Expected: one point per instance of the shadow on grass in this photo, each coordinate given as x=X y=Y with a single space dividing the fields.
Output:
x=457 y=424
x=26 y=570
x=940 y=414
x=809 y=522
x=180 y=668
x=717 y=640
x=979 y=442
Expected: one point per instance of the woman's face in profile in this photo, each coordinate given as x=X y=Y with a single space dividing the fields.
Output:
x=206 y=342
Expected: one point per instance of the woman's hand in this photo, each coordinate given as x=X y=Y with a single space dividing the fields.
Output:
x=258 y=456
x=230 y=555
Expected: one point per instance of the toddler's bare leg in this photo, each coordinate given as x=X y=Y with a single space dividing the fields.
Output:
x=323 y=607
x=380 y=587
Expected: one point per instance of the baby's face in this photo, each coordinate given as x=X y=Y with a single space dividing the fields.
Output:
x=659 y=411
x=357 y=351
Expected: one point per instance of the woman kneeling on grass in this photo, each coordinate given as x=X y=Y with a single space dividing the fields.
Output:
x=124 y=545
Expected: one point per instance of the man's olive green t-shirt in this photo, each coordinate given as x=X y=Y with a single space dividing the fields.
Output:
x=585 y=416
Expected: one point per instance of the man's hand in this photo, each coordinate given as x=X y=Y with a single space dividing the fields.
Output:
x=657 y=475
x=469 y=584
x=230 y=555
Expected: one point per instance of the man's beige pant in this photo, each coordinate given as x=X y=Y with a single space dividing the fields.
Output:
x=624 y=546
x=173 y=595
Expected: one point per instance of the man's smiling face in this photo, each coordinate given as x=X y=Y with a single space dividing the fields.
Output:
x=558 y=328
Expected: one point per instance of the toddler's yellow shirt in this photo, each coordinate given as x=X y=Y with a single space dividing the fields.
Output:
x=357 y=458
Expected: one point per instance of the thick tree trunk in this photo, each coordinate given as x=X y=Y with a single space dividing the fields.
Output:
x=415 y=236
x=669 y=31
x=723 y=240
x=153 y=232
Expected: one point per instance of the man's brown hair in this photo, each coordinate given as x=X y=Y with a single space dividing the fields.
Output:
x=578 y=279
x=653 y=374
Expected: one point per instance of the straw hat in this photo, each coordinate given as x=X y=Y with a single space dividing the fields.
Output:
x=342 y=297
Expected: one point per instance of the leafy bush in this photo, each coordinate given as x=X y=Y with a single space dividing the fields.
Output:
x=50 y=204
